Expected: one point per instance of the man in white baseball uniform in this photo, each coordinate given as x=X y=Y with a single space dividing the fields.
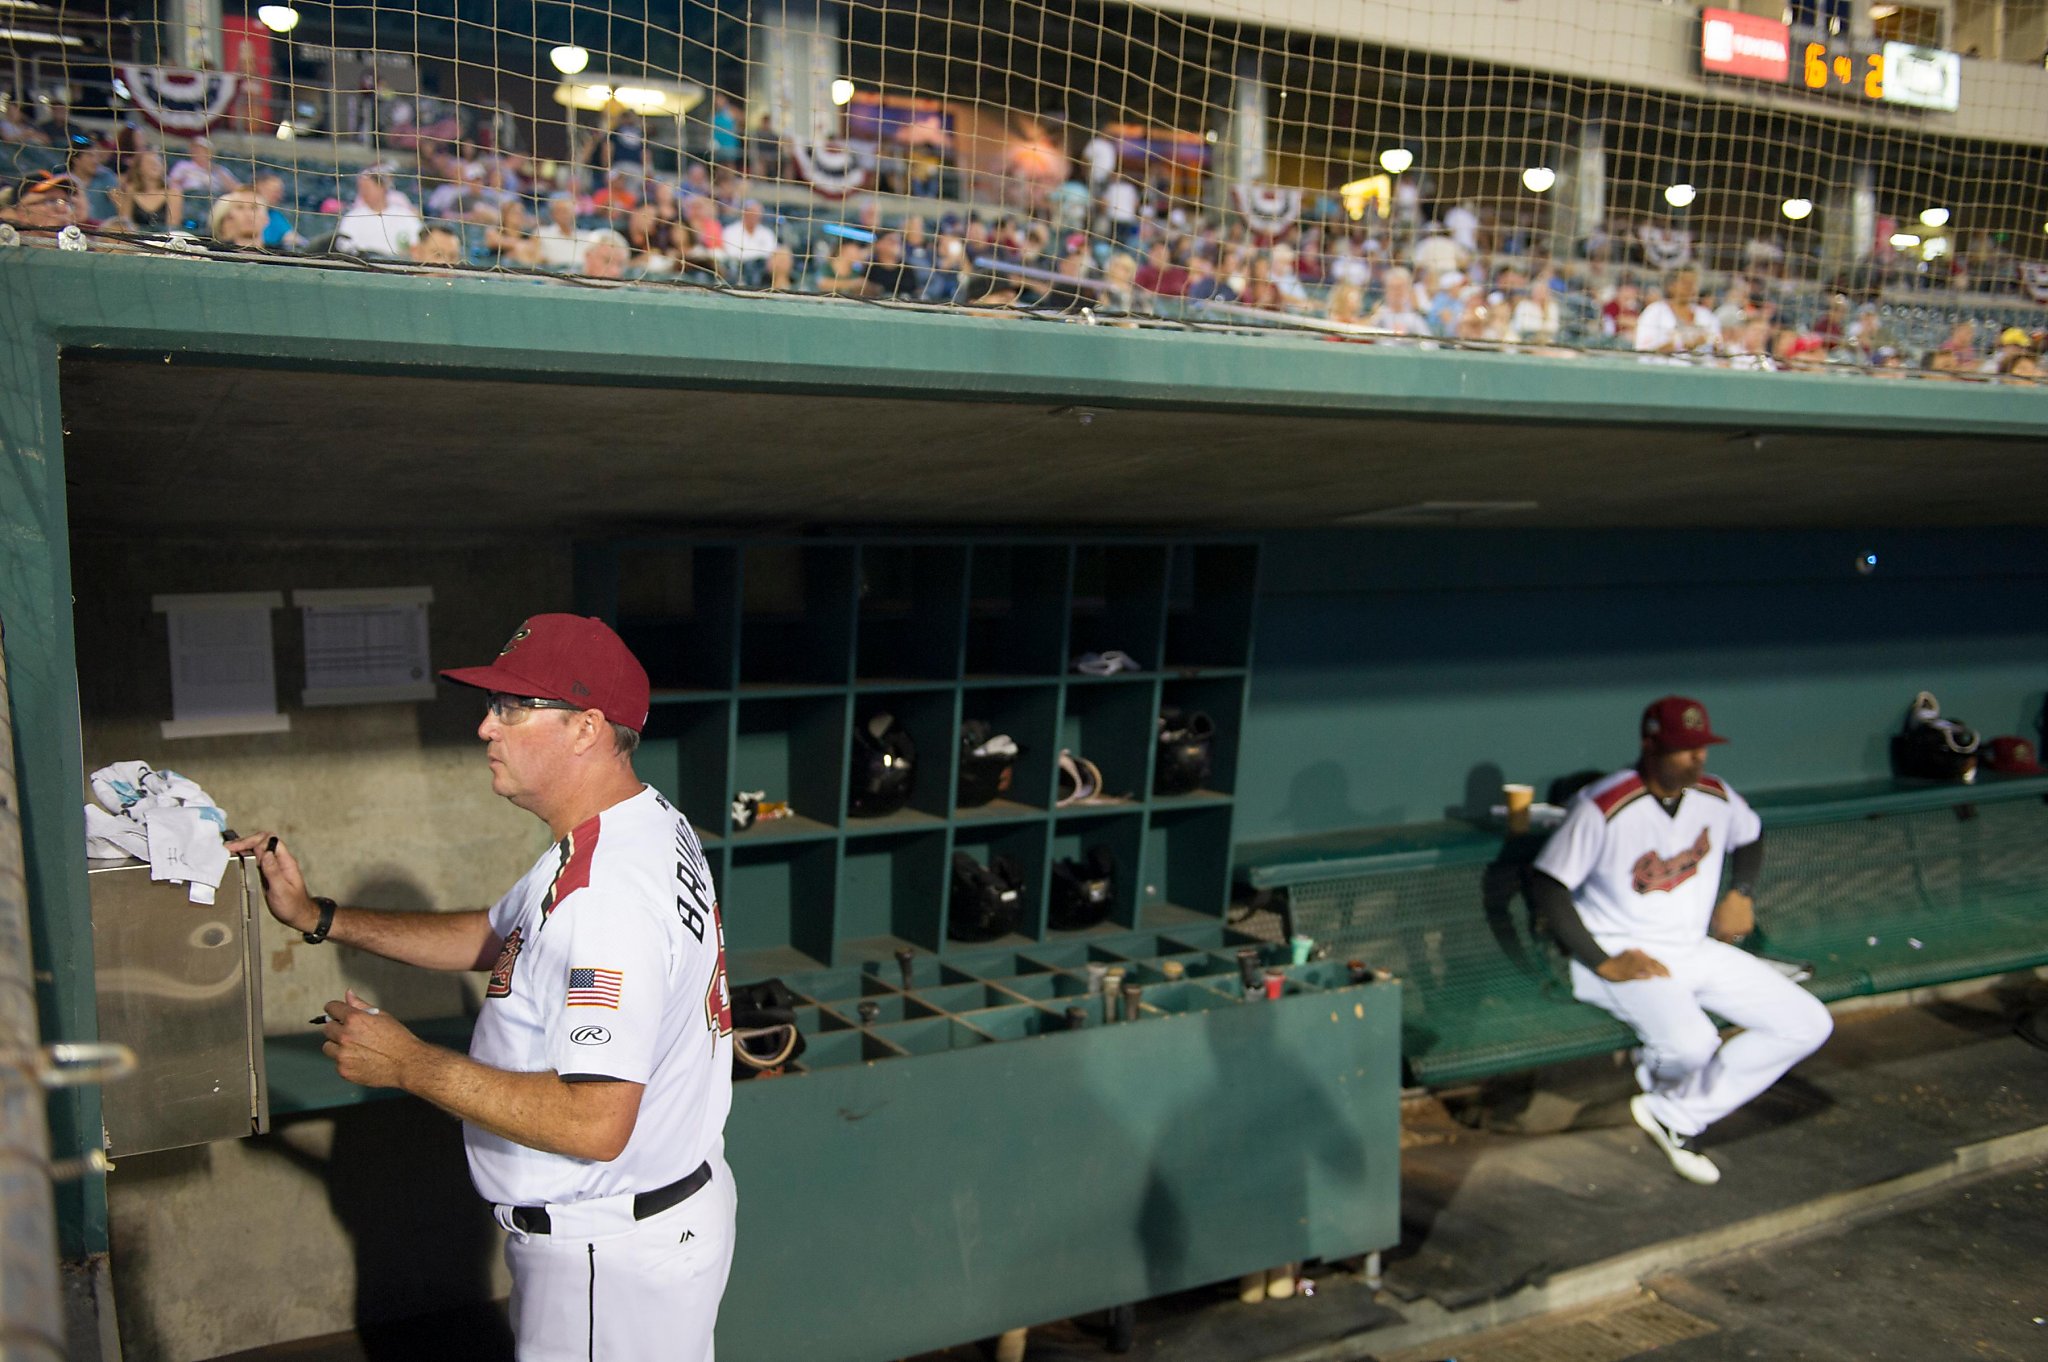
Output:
x=1629 y=884
x=595 y=1091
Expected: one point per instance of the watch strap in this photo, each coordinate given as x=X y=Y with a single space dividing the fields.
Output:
x=319 y=933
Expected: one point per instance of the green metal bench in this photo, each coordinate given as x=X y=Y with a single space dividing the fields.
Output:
x=1881 y=886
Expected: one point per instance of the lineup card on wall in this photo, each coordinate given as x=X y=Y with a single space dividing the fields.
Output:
x=366 y=646
x=223 y=676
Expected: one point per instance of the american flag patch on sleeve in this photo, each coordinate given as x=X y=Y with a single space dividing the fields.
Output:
x=595 y=987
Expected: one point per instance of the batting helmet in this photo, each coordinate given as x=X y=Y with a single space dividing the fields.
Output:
x=884 y=770
x=987 y=900
x=1185 y=742
x=1083 y=891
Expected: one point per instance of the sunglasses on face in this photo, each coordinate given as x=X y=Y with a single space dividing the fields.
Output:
x=516 y=709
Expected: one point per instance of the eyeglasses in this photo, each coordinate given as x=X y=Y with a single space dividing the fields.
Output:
x=515 y=709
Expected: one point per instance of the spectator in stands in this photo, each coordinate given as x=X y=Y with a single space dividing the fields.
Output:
x=621 y=192
x=1734 y=308
x=888 y=276
x=707 y=233
x=1961 y=345
x=437 y=244
x=1259 y=290
x=1536 y=317
x=1447 y=302
x=2013 y=344
x=1160 y=275
x=1398 y=311
x=560 y=242
x=1620 y=314
x=1283 y=268
x=510 y=240
x=145 y=200
x=1676 y=323
x=1461 y=220
x=1437 y=253
x=198 y=174
x=96 y=182
x=1120 y=292
x=18 y=124
x=1749 y=345
x=605 y=258
x=1069 y=294
x=237 y=219
x=381 y=221
x=845 y=270
x=1121 y=210
x=1203 y=285
x=1831 y=328
x=656 y=245
x=1347 y=305
x=725 y=131
x=45 y=200
x=279 y=234
x=749 y=243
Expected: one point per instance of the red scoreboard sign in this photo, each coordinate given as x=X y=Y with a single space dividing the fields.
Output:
x=1734 y=44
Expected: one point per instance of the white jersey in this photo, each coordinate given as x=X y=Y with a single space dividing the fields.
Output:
x=613 y=967
x=1641 y=876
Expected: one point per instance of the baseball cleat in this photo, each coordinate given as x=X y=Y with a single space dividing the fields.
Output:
x=1689 y=1164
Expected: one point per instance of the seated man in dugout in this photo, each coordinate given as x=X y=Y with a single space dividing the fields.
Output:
x=1630 y=883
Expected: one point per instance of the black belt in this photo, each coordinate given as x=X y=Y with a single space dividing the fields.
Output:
x=534 y=1219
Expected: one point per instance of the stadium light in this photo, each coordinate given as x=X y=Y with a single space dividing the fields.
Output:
x=1798 y=210
x=842 y=91
x=1680 y=195
x=1538 y=179
x=278 y=18
x=570 y=59
x=1904 y=241
x=1936 y=246
x=1934 y=217
x=1395 y=160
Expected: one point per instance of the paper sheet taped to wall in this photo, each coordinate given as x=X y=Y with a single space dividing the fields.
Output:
x=366 y=646
x=223 y=674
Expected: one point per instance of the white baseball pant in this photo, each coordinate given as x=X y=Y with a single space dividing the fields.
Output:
x=603 y=1287
x=1692 y=1076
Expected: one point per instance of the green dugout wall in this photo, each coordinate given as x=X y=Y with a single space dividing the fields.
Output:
x=1689 y=530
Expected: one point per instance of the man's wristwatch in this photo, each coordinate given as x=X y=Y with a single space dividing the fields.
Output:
x=1744 y=888
x=319 y=933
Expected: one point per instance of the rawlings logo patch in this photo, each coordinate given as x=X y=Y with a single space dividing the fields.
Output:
x=1655 y=875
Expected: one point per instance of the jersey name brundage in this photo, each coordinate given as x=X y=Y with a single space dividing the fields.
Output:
x=693 y=902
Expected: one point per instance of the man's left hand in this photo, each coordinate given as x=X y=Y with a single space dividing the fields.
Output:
x=368 y=1047
x=1734 y=917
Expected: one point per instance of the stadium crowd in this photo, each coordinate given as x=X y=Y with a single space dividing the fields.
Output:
x=1106 y=243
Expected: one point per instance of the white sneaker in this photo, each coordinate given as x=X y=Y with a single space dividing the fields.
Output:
x=1690 y=1164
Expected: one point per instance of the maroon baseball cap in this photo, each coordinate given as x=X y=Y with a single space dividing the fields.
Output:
x=1678 y=723
x=2014 y=757
x=567 y=657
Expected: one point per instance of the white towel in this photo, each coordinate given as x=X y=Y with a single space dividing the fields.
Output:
x=108 y=836
x=161 y=817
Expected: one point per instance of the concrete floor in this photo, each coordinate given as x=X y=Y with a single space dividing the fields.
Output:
x=1537 y=1180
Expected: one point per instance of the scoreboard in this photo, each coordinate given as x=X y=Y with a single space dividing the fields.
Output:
x=1747 y=47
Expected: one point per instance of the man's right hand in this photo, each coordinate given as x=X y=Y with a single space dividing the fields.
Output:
x=1631 y=964
x=284 y=886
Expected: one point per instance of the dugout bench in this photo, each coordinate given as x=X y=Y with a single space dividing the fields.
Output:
x=1881 y=886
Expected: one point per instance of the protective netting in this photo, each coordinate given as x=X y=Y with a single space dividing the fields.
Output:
x=1865 y=186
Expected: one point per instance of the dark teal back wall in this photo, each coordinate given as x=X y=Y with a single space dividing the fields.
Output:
x=1396 y=668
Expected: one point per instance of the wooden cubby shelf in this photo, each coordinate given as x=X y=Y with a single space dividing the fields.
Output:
x=766 y=653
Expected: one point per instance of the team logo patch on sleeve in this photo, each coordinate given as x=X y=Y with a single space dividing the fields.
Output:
x=501 y=973
x=595 y=987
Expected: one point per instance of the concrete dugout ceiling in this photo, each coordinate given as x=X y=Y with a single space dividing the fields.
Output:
x=151 y=444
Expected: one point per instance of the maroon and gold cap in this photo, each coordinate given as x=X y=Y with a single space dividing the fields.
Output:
x=2014 y=756
x=1678 y=723
x=568 y=657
